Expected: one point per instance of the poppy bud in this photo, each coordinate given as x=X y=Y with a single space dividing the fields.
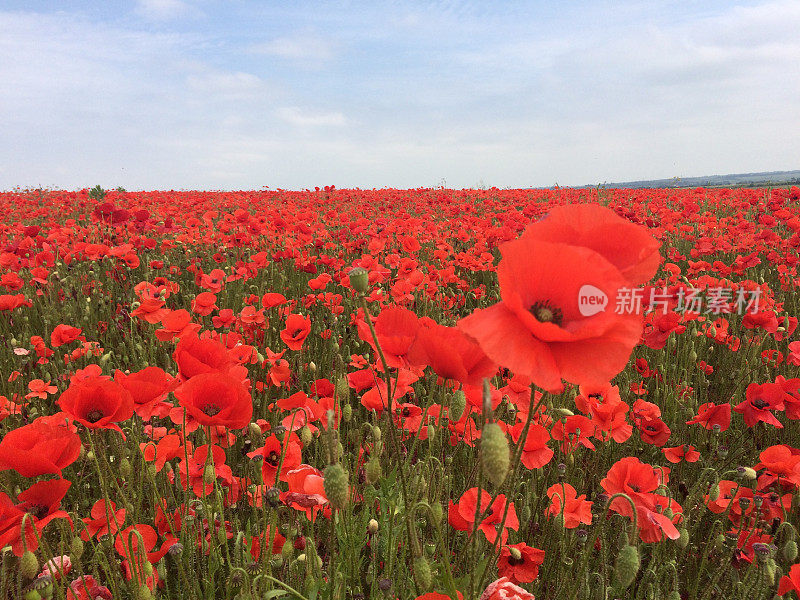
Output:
x=494 y=453
x=422 y=573
x=76 y=548
x=125 y=468
x=431 y=432
x=747 y=473
x=209 y=474
x=373 y=470
x=376 y=433
x=372 y=527
x=457 y=406
x=625 y=568
x=674 y=595
x=713 y=493
x=359 y=279
x=143 y=593
x=29 y=565
x=683 y=539
x=790 y=551
x=305 y=435
x=336 y=486
x=347 y=413
x=564 y=412
x=437 y=512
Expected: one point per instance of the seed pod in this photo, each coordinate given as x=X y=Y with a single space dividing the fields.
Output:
x=494 y=453
x=457 y=406
x=336 y=486
x=626 y=567
x=359 y=279
x=422 y=573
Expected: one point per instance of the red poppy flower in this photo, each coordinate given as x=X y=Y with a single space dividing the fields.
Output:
x=193 y=473
x=451 y=354
x=539 y=330
x=103 y=519
x=576 y=509
x=520 y=562
x=536 y=453
x=204 y=304
x=396 y=329
x=87 y=588
x=761 y=401
x=653 y=431
x=64 y=334
x=710 y=414
x=790 y=582
x=176 y=323
x=195 y=356
x=627 y=246
x=39 y=449
x=97 y=403
x=682 y=452
x=461 y=515
x=216 y=399
x=285 y=455
x=148 y=387
x=306 y=490
x=134 y=551
x=42 y=501
x=297 y=329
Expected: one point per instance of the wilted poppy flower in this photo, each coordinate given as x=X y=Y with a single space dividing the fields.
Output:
x=39 y=449
x=216 y=399
x=505 y=589
x=97 y=403
x=297 y=329
x=541 y=330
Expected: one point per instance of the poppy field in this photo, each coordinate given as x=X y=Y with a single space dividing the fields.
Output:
x=400 y=394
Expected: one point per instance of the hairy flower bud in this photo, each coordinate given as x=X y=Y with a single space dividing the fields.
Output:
x=494 y=453
x=625 y=568
x=336 y=486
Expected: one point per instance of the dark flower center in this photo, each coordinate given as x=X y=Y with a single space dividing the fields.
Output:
x=94 y=416
x=39 y=511
x=545 y=313
x=635 y=487
x=759 y=403
x=406 y=412
x=516 y=561
x=211 y=409
x=273 y=458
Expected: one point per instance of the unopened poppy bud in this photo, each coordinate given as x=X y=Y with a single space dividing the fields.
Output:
x=746 y=473
x=143 y=593
x=359 y=279
x=515 y=553
x=254 y=432
x=336 y=486
x=683 y=538
x=372 y=527
x=626 y=567
x=347 y=413
x=564 y=412
x=422 y=573
x=28 y=564
x=76 y=548
x=305 y=435
x=125 y=468
x=376 y=433
x=431 y=432
x=790 y=551
x=287 y=550
x=494 y=453
x=457 y=405
x=373 y=470
x=209 y=474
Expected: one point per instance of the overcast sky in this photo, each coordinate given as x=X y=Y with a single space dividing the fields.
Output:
x=195 y=94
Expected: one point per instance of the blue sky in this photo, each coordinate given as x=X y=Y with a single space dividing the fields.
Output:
x=195 y=94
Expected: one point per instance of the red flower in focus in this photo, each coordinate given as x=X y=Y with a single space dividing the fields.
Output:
x=97 y=403
x=451 y=354
x=505 y=589
x=682 y=452
x=461 y=515
x=710 y=414
x=396 y=329
x=539 y=329
x=297 y=329
x=42 y=502
x=149 y=388
x=216 y=399
x=790 y=582
x=104 y=519
x=520 y=563
x=576 y=509
x=761 y=401
x=39 y=449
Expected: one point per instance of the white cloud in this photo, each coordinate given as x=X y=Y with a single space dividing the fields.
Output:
x=296 y=116
x=301 y=47
x=162 y=10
